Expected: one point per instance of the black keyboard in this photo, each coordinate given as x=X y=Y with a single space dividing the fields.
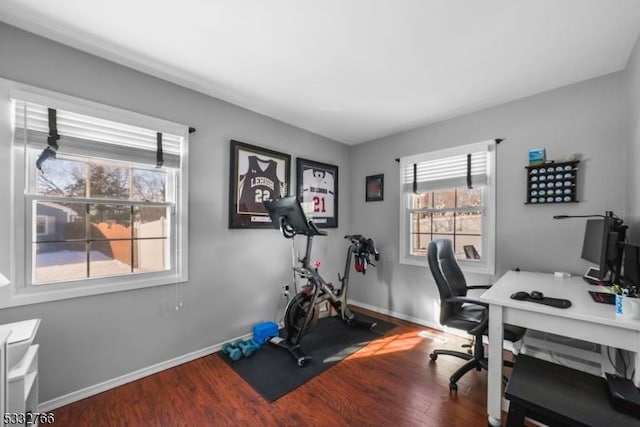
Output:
x=603 y=297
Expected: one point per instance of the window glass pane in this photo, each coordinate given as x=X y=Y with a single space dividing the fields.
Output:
x=469 y=222
x=468 y=247
x=60 y=261
x=467 y=198
x=59 y=221
x=419 y=243
x=444 y=199
x=421 y=223
x=150 y=255
x=422 y=201
x=150 y=222
x=62 y=177
x=149 y=185
x=110 y=221
x=443 y=222
x=110 y=258
x=111 y=182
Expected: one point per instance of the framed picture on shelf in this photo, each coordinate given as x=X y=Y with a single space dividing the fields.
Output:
x=374 y=188
x=256 y=174
x=318 y=191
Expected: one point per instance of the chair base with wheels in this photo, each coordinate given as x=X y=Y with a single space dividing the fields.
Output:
x=475 y=360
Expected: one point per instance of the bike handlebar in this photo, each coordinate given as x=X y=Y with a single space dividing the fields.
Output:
x=363 y=244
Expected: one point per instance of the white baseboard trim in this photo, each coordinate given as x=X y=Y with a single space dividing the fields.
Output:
x=416 y=320
x=132 y=376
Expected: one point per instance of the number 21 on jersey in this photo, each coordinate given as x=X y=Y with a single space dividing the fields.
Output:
x=319 y=204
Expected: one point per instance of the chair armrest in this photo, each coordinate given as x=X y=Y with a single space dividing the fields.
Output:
x=482 y=326
x=454 y=300
x=479 y=286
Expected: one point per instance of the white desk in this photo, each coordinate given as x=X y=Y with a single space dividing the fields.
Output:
x=585 y=320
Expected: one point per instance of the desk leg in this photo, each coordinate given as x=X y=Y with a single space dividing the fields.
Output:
x=494 y=389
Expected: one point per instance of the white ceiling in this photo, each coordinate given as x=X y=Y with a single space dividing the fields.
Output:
x=351 y=70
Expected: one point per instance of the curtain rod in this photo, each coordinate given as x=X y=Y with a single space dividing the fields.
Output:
x=497 y=140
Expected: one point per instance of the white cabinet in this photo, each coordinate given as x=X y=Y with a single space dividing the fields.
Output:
x=23 y=387
x=19 y=366
x=3 y=374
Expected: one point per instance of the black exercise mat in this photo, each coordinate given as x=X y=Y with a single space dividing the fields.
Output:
x=273 y=372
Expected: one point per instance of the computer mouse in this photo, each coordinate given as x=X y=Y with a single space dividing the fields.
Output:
x=564 y=303
x=520 y=295
x=537 y=295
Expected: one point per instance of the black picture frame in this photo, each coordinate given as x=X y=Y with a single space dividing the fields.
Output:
x=374 y=188
x=317 y=190
x=246 y=209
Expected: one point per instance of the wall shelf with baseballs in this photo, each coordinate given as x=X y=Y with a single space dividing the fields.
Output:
x=552 y=183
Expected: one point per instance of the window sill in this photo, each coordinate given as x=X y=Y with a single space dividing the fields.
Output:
x=12 y=296
x=468 y=267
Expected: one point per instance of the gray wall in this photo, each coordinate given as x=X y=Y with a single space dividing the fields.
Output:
x=585 y=119
x=632 y=72
x=235 y=275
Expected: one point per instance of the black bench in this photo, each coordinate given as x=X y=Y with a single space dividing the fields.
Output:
x=559 y=396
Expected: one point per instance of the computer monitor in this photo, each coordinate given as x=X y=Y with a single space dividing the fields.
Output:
x=631 y=266
x=593 y=246
x=603 y=245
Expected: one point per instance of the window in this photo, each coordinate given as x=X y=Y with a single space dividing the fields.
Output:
x=99 y=216
x=96 y=218
x=450 y=194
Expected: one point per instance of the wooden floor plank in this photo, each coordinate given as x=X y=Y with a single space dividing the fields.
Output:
x=391 y=381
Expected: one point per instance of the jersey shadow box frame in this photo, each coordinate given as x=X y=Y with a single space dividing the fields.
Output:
x=256 y=174
x=317 y=191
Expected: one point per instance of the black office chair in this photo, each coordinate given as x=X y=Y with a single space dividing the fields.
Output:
x=461 y=312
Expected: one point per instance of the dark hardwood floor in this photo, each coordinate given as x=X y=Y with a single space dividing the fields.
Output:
x=390 y=382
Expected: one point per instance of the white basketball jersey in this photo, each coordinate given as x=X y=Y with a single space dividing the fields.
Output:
x=318 y=189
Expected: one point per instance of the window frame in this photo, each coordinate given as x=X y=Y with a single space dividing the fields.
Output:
x=488 y=208
x=21 y=290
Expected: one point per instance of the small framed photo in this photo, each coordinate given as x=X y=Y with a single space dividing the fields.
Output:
x=375 y=188
x=256 y=174
x=537 y=156
x=318 y=191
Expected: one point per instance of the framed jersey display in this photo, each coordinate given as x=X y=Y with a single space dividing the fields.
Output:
x=318 y=191
x=256 y=174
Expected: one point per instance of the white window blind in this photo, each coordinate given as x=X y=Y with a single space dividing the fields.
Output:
x=89 y=136
x=446 y=172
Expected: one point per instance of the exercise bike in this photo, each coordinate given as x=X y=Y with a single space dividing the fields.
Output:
x=303 y=310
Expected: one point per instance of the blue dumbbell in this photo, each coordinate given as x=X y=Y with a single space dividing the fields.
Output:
x=232 y=351
x=246 y=347
x=256 y=343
